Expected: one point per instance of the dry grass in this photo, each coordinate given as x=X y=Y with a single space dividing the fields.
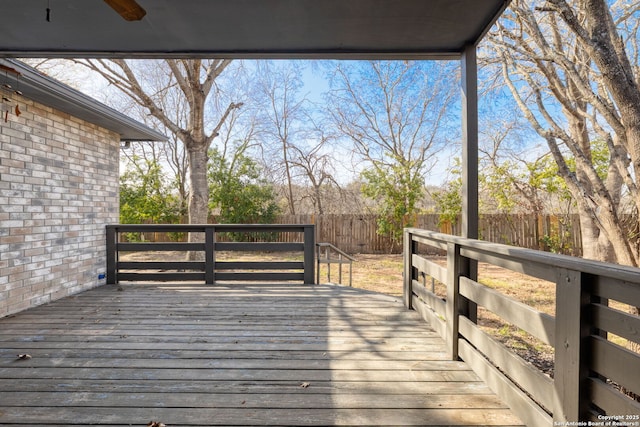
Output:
x=378 y=273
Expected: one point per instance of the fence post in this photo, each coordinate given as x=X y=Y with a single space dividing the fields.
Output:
x=112 y=255
x=409 y=247
x=309 y=254
x=209 y=255
x=571 y=364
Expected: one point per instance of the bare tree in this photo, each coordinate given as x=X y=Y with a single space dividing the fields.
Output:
x=568 y=68
x=394 y=115
x=176 y=93
x=282 y=116
x=314 y=162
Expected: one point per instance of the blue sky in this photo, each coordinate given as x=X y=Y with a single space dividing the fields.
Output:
x=316 y=84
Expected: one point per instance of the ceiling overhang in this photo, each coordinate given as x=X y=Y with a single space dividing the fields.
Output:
x=355 y=29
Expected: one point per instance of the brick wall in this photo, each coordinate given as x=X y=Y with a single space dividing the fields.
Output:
x=58 y=189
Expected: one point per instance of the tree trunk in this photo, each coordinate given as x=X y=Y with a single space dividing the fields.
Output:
x=287 y=168
x=599 y=36
x=198 y=195
x=320 y=208
x=590 y=235
x=198 y=187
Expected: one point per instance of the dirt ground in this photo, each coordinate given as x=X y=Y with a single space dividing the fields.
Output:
x=379 y=273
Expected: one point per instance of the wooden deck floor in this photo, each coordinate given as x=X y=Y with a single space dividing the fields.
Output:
x=236 y=355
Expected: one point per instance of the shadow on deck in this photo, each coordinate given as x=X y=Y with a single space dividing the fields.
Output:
x=234 y=355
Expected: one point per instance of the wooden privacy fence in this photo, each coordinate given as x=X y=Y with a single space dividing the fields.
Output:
x=210 y=269
x=590 y=370
x=358 y=233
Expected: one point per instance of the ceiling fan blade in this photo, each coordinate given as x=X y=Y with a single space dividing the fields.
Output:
x=128 y=9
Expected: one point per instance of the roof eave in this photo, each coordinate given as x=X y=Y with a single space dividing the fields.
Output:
x=50 y=92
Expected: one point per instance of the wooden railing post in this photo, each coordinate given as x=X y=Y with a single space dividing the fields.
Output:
x=454 y=267
x=309 y=254
x=112 y=255
x=318 y=256
x=209 y=255
x=571 y=366
x=409 y=247
x=469 y=268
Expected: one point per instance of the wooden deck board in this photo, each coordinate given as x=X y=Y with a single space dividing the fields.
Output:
x=234 y=355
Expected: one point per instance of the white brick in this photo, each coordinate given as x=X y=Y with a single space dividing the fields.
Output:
x=56 y=192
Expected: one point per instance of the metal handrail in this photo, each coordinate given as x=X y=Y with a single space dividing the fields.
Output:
x=328 y=247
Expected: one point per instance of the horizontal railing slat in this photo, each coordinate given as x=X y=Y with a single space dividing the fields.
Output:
x=183 y=228
x=160 y=277
x=259 y=277
x=259 y=246
x=615 y=321
x=618 y=290
x=529 y=257
x=614 y=362
x=527 y=409
x=537 y=384
x=160 y=228
x=256 y=265
x=160 y=247
x=161 y=265
x=430 y=316
x=436 y=303
x=248 y=228
x=610 y=399
x=538 y=324
x=440 y=244
x=530 y=268
x=430 y=268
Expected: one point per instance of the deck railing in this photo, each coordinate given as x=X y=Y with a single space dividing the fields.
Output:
x=206 y=267
x=340 y=257
x=593 y=376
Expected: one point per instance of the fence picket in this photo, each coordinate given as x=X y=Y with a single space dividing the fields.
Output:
x=358 y=233
x=355 y=233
